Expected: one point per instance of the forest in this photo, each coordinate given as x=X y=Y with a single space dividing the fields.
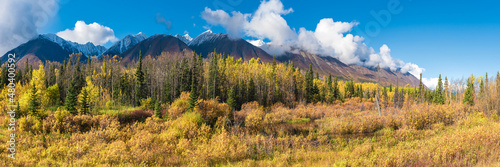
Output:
x=183 y=109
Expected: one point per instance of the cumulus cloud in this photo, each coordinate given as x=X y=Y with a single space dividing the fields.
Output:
x=330 y=38
x=20 y=20
x=83 y=33
x=431 y=83
x=233 y=24
x=265 y=23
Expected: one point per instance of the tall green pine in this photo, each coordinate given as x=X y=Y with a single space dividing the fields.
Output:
x=139 y=86
x=71 y=98
x=34 y=104
x=438 y=92
x=469 y=92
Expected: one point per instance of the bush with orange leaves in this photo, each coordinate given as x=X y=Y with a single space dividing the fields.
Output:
x=252 y=114
x=211 y=110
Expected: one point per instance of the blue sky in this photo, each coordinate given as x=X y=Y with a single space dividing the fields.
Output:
x=452 y=38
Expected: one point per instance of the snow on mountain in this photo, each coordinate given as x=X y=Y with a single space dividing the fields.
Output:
x=184 y=38
x=86 y=49
x=126 y=43
x=257 y=43
x=206 y=36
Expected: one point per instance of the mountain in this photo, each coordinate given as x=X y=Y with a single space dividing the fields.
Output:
x=86 y=49
x=184 y=38
x=53 y=48
x=126 y=43
x=326 y=64
x=208 y=41
x=154 y=46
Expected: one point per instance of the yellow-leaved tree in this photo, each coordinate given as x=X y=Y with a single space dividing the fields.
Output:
x=38 y=79
x=93 y=93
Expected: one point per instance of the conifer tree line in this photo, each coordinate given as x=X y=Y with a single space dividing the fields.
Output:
x=105 y=82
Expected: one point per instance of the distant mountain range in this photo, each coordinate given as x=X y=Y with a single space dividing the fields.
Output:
x=53 y=48
x=125 y=44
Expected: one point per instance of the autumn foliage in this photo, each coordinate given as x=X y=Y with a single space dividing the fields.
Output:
x=277 y=115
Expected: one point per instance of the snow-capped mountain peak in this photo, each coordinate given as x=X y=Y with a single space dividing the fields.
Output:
x=86 y=49
x=206 y=36
x=184 y=38
x=257 y=43
x=126 y=43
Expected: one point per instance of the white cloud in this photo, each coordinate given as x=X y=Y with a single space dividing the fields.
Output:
x=412 y=69
x=233 y=24
x=265 y=23
x=431 y=83
x=20 y=20
x=330 y=38
x=83 y=33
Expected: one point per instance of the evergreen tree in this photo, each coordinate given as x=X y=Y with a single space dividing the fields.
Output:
x=438 y=93
x=243 y=93
x=79 y=80
x=309 y=81
x=71 y=98
x=446 y=90
x=401 y=100
x=350 y=89
x=232 y=98
x=157 y=110
x=421 y=89
x=168 y=92
x=4 y=80
x=336 y=89
x=139 y=86
x=85 y=102
x=469 y=92
x=193 y=97
x=213 y=78
x=251 y=90
x=34 y=104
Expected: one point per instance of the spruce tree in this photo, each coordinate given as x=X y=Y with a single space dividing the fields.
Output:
x=85 y=102
x=232 y=99
x=421 y=89
x=336 y=89
x=193 y=97
x=438 y=93
x=446 y=90
x=139 y=86
x=34 y=104
x=309 y=81
x=168 y=92
x=469 y=92
x=71 y=98
x=213 y=78
x=157 y=110
x=251 y=90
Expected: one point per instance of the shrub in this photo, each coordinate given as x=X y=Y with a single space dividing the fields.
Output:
x=30 y=124
x=179 y=106
x=190 y=126
x=211 y=110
